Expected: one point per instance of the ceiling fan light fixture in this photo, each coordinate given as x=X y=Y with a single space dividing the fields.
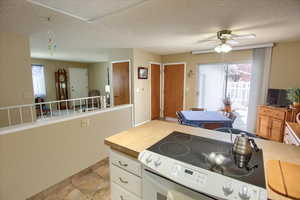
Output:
x=223 y=48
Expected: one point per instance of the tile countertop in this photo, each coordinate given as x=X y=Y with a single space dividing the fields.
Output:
x=135 y=140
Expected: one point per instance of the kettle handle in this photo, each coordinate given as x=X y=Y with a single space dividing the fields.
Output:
x=253 y=144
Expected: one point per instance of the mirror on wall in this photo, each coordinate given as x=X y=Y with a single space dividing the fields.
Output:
x=61 y=80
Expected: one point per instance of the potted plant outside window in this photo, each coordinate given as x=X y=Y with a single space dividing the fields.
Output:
x=293 y=95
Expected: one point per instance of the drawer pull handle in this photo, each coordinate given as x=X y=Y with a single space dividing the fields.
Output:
x=123 y=181
x=121 y=197
x=123 y=164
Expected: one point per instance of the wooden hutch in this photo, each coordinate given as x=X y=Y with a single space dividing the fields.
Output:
x=271 y=121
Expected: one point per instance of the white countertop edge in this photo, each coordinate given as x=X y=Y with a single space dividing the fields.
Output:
x=54 y=120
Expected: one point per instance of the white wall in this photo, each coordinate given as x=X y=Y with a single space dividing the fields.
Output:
x=37 y=158
x=15 y=76
x=142 y=87
x=98 y=76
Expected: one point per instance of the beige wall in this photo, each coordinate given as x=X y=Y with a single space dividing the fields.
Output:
x=116 y=54
x=192 y=61
x=285 y=68
x=142 y=87
x=34 y=159
x=15 y=74
x=98 y=76
x=51 y=66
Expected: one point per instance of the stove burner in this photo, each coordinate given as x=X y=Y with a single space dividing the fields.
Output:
x=174 y=149
x=234 y=171
x=184 y=138
x=228 y=167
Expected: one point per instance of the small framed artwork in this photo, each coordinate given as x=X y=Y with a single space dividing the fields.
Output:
x=142 y=73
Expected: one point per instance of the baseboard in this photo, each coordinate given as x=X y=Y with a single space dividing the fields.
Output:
x=171 y=119
x=142 y=123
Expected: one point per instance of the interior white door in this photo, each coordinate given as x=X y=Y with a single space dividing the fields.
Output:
x=79 y=82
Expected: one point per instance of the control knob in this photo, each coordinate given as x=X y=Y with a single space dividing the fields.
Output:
x=227 y=189
x=148 y=159
x=157 y=162
x=244 y=193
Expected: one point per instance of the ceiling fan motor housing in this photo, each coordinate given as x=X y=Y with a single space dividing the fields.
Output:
x=224 y=35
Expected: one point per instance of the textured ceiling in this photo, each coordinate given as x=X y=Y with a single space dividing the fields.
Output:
x=160 y=26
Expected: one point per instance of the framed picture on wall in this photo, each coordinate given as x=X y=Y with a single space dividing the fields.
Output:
x=142 y=73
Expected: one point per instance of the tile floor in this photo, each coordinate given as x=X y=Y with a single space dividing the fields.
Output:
x=90 y=184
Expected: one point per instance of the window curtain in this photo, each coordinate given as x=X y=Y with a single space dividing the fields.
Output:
x=211 y=85
x=261 y=64
x=38 y=79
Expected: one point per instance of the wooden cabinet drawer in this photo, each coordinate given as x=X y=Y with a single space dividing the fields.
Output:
x=128 y=181
x=118 y=193
x=125 y=162
x=272 y=113
x=278 y=114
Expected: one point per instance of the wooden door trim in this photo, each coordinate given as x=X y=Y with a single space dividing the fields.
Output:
x=160 y=99
x=163 y=84
x=111 y=80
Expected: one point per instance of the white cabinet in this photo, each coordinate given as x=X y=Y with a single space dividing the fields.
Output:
x=119 y=193
x=126 y=181
x=125 y=162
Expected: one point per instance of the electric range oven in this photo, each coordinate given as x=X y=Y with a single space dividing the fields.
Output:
x=180 y=163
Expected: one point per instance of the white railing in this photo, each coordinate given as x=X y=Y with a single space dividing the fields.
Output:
x=239 y=93
x=19 y=114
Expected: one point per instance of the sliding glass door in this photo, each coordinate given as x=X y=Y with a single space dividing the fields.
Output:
x=217 y=81
x=211 y=86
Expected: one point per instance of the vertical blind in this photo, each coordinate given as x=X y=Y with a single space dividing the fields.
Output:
x=38 y=79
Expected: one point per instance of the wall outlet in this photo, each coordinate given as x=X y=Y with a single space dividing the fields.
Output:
x=85 y=123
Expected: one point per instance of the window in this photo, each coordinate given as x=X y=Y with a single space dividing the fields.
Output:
x=38 y=79
x=216 y=81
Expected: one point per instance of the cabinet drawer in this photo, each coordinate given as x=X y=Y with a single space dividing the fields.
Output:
x=128 y=181
x=125 y=162
x=278 y=114
x=273 y=113
x=118 y=193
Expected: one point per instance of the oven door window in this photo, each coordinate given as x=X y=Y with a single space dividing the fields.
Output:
x=156 y=188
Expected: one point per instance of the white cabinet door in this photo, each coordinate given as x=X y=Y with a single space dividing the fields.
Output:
x=118 y=193
x=128 y=181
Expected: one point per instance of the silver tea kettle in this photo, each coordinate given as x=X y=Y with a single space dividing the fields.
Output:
x=242 y=149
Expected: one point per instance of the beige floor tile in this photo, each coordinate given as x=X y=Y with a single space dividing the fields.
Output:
x=102 y=194
x=89 y=183
x=103 y=171
x=77 y=195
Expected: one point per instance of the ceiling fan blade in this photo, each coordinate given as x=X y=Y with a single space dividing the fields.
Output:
x=207 y=41
x=232 y=42
x=245 y=36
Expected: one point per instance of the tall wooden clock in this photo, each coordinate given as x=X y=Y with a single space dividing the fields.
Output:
x=61 y=84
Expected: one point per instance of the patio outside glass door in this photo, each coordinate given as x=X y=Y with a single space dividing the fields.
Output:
x=216 y=81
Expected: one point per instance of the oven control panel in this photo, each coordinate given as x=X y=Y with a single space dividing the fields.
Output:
x=188 y=174
x=204 y=181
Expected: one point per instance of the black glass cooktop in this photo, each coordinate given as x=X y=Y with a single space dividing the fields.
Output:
x=198 y=151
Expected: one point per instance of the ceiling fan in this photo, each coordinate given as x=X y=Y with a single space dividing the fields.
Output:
x=226 y=39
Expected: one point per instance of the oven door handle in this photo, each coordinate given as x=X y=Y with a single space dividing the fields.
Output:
x=148 y=175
